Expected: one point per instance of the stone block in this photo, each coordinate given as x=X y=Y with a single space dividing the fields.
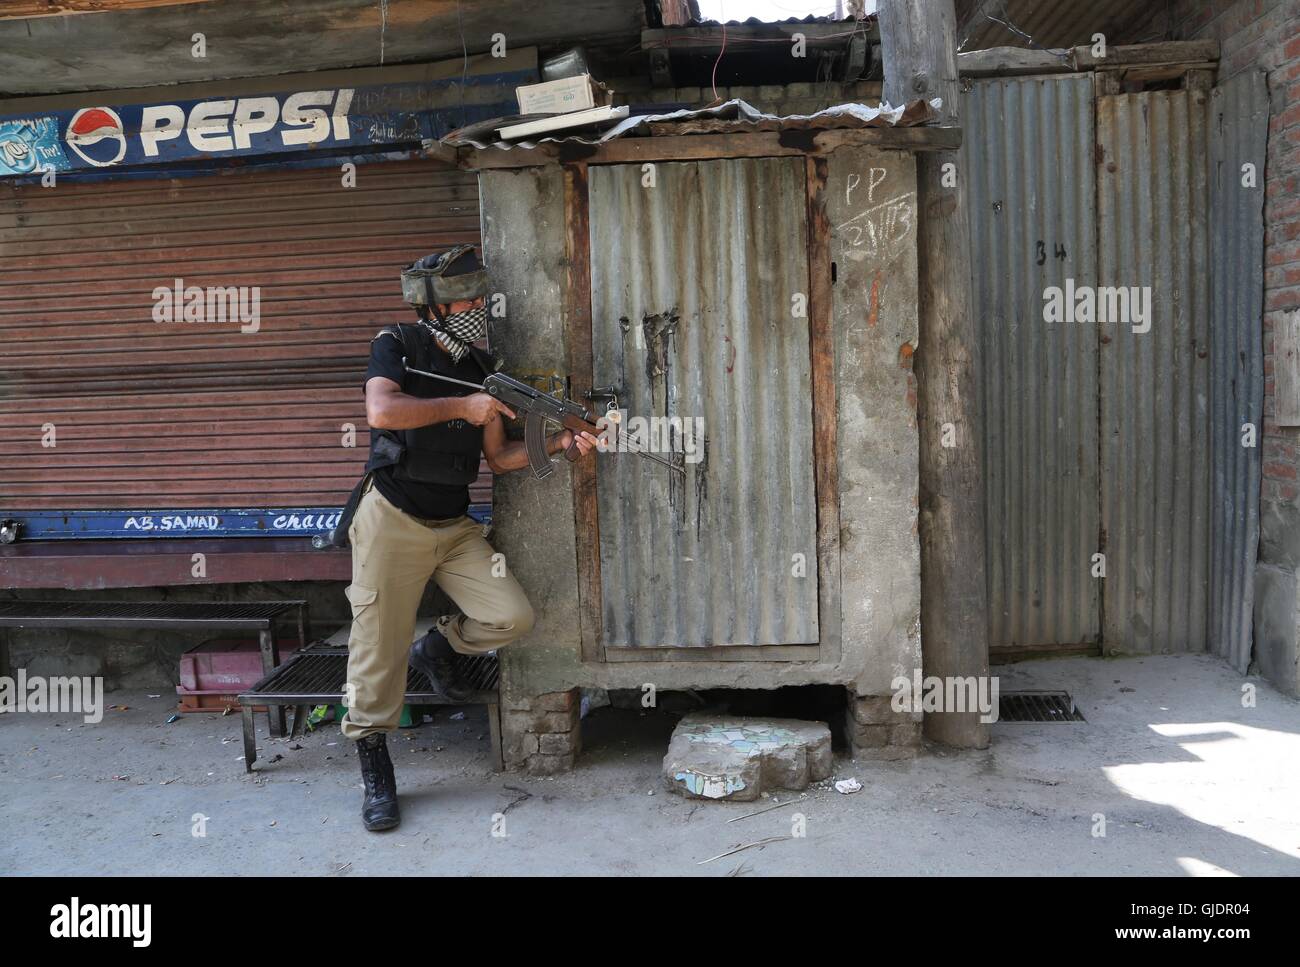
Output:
x=552 y=721
x=870 y=736
x=565 y=701
x=873 y=709
x=558 y=743
x=737 y=758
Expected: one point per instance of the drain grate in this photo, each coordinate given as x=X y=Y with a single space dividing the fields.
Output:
x=1038 y=707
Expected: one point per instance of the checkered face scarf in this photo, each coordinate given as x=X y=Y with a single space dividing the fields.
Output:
x=459 y=329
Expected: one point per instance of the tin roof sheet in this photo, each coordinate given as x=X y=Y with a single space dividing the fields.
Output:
x=730 y=116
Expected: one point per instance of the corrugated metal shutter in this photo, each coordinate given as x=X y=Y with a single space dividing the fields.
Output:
x=186 y=415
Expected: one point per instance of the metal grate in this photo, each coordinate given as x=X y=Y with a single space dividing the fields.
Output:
x=319 y=674
x=1038 y=707
x=110 y=612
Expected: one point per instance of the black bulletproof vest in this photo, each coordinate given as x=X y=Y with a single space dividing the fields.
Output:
x=444 y=453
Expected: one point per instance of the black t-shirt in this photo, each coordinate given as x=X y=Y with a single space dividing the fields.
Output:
x=420 y=499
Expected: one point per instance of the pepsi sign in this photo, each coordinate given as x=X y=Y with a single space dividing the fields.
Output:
x=101 y=136
x=230 y=126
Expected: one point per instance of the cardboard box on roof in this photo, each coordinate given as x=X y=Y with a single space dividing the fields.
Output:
x=562 y=96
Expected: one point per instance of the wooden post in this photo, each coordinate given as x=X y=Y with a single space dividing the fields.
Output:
x=918 y=41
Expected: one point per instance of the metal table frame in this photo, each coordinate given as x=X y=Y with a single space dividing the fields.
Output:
x=170 y=616
x=266 y=692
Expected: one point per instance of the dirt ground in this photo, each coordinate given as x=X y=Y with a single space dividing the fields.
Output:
x=1188 y=782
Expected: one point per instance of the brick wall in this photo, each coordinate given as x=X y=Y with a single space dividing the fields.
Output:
x=1265 y=34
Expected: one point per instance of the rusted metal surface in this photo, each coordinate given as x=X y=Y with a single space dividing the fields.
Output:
x=761 y=144
x=687 y=324
x=1238 y=134
x=252 y=418
x=1153 y=205
x=850 y=116
x=90 y=565
x=577 y=323
x=735 y=116
x=1031 y=195
x=229 y=615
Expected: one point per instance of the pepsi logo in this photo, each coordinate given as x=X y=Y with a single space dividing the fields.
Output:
x=96 y=135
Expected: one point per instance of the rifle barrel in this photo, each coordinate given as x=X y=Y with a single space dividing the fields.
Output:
x=652 y=456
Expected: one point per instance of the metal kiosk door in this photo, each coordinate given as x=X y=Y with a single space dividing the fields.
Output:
x=694 y=296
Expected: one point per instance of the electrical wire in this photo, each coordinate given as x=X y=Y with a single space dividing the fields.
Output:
x=722 y=10
x=1064 y=55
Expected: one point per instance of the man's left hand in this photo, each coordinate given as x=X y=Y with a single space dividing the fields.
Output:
x=586 y=442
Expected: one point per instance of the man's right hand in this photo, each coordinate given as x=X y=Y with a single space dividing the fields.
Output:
x=480 y=408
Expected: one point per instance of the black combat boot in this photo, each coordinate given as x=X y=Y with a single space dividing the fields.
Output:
x=434 y=656
x=379 y=811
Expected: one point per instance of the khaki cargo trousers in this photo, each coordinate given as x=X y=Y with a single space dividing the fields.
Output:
x=393 y=557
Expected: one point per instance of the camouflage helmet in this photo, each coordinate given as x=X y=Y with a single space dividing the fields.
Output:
x=445 y=277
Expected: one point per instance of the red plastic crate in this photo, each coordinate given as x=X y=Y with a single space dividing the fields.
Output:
x=213 y=674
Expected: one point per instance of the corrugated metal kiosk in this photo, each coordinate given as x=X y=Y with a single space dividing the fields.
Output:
x=762 y=282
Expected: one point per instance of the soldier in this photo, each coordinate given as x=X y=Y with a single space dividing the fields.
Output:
x=408 y=518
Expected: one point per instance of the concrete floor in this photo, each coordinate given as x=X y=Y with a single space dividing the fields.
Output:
x=1189 y=782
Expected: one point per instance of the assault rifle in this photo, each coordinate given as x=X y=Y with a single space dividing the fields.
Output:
x=538 y=409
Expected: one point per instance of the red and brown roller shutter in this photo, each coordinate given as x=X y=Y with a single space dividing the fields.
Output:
x=182 y=415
